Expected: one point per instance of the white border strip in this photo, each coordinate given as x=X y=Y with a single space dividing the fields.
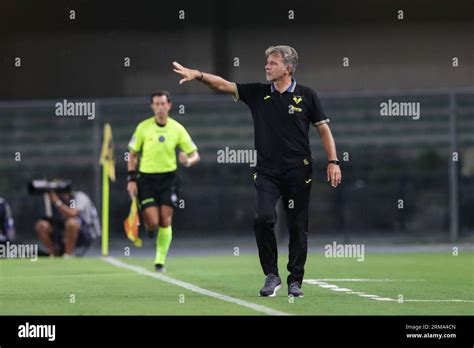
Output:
x=256 y=307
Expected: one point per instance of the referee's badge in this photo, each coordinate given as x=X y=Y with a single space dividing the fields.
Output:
x=161 y=138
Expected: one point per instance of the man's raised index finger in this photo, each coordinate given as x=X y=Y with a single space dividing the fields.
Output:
x=177 y=65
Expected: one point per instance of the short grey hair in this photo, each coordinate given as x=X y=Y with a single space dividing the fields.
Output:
x=288 y=53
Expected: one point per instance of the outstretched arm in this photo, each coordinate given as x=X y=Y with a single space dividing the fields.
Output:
x=212 y=81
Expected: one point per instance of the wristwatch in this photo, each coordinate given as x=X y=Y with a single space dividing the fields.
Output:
x=336 y=162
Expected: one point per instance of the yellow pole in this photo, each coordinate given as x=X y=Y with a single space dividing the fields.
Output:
x=105 y=210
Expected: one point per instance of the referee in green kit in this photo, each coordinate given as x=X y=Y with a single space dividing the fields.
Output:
x=155 y=181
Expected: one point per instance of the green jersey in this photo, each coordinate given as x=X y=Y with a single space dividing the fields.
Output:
x=157 y=145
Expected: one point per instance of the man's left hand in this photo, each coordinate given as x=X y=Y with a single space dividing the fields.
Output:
x=334 y=174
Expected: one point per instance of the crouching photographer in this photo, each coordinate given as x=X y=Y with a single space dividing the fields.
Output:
x=71 y=223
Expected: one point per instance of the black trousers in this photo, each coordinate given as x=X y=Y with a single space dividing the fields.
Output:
x=294 y=186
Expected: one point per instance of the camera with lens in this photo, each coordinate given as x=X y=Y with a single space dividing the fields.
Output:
x=40 y=186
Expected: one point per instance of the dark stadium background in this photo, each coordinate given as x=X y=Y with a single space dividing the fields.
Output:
x=389 y=158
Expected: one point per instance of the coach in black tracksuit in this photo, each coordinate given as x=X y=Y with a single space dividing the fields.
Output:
x=282 y=113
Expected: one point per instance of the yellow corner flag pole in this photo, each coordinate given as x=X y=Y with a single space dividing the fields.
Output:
x=108 y=172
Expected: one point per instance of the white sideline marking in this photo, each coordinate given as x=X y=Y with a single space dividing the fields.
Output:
x=167 y=279
x=328 y=286
x=313 y=281
x=369 y=296
x=341 y=289
x=356 y=292
x=455 y=300
x=322 y=283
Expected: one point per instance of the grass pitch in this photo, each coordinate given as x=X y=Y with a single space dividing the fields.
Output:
x=428 y=284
